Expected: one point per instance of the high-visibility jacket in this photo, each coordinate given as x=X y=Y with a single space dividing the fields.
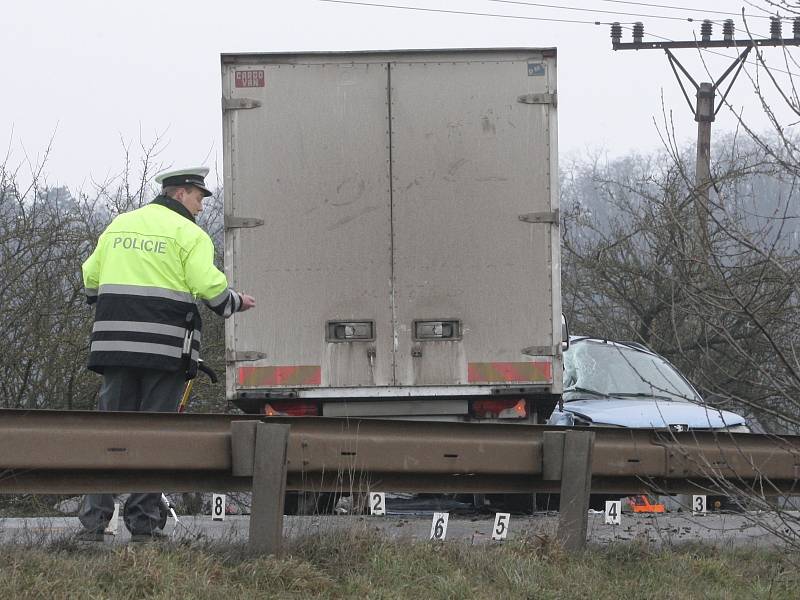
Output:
x=149 y=270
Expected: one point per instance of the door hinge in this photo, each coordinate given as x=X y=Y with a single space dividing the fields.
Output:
x=551 y=217
x=546 y=98
x=232 y=222
x=239 y=103
x=243 y=355
x=540 y=351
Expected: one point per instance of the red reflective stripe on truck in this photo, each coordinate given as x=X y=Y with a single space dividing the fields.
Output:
x=271 y=376
x=538 y=371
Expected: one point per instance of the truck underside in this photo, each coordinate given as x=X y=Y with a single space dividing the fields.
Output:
x=508 y=405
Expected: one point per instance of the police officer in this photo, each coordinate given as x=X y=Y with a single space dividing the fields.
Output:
x=149 y=270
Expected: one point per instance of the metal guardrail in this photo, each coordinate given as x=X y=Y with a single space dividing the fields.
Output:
x=78 y=452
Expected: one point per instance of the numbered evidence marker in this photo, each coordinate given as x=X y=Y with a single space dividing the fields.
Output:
x=698 y=505
x=113 y=524
x=613 y=512
x=500 y=529
x=377 y=503
x=439 y=526
x=218 y=507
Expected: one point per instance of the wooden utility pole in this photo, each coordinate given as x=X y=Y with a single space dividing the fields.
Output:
x=704 y=115
x=705 y=108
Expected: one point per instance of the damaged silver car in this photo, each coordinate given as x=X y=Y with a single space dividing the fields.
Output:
x=624 y=384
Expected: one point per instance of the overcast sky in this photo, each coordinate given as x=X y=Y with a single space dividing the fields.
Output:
x=92 y=72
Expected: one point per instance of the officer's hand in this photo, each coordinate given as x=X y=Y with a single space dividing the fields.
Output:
x=248 y=302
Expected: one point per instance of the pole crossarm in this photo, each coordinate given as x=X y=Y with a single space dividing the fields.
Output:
x=699 y=45
x=738 y=61
x=79 y=452
x=705 y=109
x=673 y=62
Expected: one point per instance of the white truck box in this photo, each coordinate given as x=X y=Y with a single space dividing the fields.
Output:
x=395 y=214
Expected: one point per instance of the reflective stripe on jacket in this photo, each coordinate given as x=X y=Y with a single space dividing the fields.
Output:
x=150 y=268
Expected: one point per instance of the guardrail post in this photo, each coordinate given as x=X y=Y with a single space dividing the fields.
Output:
x=259 y=449
x=576 y=484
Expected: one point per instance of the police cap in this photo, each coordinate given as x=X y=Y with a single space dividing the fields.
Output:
x=193 y=176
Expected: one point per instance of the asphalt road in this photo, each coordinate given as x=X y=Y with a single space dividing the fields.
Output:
x=665 y=529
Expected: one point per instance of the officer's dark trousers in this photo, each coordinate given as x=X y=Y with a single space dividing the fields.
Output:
x=128 y=389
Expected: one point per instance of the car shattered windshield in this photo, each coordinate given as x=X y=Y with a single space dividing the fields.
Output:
x=622 y=372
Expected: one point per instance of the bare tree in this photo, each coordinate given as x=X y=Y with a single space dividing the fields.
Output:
x=724 y=309
x=45 y=235
x=633 y=269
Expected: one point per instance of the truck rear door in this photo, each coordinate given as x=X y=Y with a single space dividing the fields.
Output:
x=474 y=283
x=308 y=223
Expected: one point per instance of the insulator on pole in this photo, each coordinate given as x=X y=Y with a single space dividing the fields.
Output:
x=638 y=32
x=616 y=33
x=705 y=30
x=727 y=29
x=796 y=28
x=775 y=28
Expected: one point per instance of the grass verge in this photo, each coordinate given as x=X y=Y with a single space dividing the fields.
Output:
x=358 y=565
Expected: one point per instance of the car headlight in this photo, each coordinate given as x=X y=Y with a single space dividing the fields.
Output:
x=737 y=429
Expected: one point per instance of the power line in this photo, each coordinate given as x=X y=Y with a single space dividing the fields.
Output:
x=664 y=17
x=530 y=18
x=691 y=9
x=627 y=14
x=564 y=7
x=519 y=17
x=592 y=10
x=463 y=12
